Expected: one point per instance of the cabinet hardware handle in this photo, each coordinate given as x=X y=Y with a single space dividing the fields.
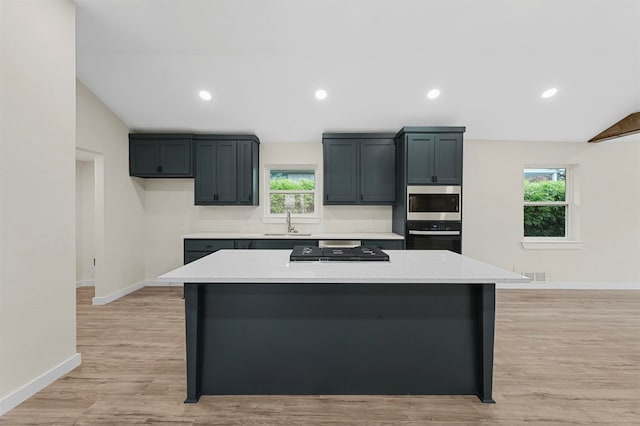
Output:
x=361 y=197
x=159 y=169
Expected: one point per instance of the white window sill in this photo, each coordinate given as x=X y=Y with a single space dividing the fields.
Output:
x=551 y=245
x=294 y=220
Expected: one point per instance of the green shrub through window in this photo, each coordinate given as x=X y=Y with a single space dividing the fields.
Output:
x=545 y=202
x=292 y=190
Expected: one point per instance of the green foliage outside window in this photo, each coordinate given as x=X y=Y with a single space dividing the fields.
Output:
x=297 y=202
x=287 y=184
x=545 y=221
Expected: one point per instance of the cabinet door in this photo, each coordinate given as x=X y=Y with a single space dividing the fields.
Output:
x=200 y=244
x=205 y=173
x=283 y=244
x=377 y=171
x=226 y=172
x=196 y=248
x=244 y=244
x=340 y=171
x=144 y=158
x=385 y=244
x=190 y=256
x=420 y=159
x=448 y=159
x=176 y=158
x=247 y=173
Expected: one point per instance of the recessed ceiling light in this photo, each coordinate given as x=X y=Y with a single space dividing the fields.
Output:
x=433 y=93
x=549 y=92
x=321 y=94
x=205 y=95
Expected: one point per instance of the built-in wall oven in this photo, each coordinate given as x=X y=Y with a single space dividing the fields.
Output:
x=434 y=235
x=432 y=202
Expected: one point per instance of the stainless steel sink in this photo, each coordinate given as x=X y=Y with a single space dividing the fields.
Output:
x=292 y=234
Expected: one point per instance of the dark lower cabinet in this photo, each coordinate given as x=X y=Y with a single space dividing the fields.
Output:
x=283 y=244
x=359 y=168
x=195 y=248
x=161 y=155
x=244 y=244
x=190 y=256
x=385 y=244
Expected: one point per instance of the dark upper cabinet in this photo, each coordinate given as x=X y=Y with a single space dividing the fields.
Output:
x=160 y=155
x=448 y=159
x=340 y=171
x=247 y=172
x=433 y=155
x=420 y=159
x=359 y=168
x=377 y=171
x=226 y=169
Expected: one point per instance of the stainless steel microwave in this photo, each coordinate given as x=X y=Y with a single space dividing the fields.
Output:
x=434 y=202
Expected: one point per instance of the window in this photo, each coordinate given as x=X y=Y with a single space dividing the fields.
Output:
x=291 y=189
x=546 y=208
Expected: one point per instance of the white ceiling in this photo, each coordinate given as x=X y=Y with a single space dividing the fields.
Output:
x=263 y=60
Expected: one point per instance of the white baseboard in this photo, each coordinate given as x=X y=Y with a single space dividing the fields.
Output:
x=563 y=285
x=85 y=283
x=151 y=283
x=36 y=385
x=103 y=300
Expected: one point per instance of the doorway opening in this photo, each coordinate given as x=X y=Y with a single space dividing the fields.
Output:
x=89 y=218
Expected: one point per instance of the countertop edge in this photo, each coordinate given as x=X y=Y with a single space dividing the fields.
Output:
x=188 y=280
x=313 y=236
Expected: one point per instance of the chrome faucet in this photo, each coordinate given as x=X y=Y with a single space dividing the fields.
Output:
x=290 y=228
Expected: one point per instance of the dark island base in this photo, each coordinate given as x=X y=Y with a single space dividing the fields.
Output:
x=339 y=339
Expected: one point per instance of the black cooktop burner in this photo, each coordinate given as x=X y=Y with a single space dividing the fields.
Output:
x=326 y=254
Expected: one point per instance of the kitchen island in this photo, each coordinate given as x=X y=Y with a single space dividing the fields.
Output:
x=419 y=324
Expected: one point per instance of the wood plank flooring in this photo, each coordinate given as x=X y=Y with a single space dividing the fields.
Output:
x=561 y=358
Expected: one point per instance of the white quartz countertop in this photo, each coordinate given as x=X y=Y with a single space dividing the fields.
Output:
x=404 y=266
x=302 y=236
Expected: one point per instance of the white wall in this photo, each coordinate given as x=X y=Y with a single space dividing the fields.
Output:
x=37 y=192
x=119 y=204
x=609 y=208
x=85 y=241
x=170 y=211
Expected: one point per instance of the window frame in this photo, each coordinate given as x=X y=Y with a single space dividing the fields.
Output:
x=571 y=239
x=269 y=217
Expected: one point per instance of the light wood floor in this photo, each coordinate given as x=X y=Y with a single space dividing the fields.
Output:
x=561 y=357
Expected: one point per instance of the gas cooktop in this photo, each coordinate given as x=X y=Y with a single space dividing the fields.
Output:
x=326 y=254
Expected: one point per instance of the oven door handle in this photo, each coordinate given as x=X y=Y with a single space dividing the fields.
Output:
x=414 y=232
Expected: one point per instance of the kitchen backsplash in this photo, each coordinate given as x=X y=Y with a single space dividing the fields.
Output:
x=169 y=203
